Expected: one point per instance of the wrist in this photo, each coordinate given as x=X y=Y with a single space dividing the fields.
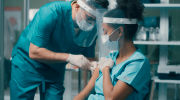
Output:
x=105 y=69
x=67 y=57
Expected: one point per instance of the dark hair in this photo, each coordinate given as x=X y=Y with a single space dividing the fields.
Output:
x=100 y=3
x=132 y=9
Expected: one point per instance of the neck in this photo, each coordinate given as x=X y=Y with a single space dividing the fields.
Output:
x=126 y=51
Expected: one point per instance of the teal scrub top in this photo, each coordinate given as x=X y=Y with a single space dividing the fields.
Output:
x=52 y=28
x=135 y=71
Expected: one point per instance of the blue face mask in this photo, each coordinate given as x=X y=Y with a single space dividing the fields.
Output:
x=83 y=25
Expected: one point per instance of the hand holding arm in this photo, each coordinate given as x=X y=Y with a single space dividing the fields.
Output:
x=105 y=62
x=79 y=60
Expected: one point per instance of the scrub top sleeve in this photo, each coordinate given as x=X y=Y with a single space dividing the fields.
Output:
x=113 y=55
x=90 y=51
x=43 y=27
x=136 y=74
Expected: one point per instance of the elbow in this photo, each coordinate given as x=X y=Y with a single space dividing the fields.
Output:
x=32 y=55
x=33 y=52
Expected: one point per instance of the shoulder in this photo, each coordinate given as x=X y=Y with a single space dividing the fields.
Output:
x=45 y=16
x=59 y=6
x=138 y=56
x=56 y=8
x=138 y=61
x=45 y=11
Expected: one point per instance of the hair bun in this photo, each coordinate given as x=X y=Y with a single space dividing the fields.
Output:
x=122 y=4
x=132 y=8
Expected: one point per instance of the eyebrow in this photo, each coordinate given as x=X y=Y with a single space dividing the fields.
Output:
x=89 y=17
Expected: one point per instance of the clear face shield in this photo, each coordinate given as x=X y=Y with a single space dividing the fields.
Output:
x=111 y=30
x=86 y=20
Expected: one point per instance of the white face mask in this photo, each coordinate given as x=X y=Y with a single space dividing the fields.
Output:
x=83 y=25
x=114 y=45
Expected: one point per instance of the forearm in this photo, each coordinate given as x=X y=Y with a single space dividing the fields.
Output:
x=89 y=89
x=83 y=95
x=107 y=84
x=46 y=56
x=80 y=96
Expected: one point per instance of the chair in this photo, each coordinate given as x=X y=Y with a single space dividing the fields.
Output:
x=149 y=96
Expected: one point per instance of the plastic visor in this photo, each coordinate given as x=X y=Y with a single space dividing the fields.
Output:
x=109 y=23
x=86 y=38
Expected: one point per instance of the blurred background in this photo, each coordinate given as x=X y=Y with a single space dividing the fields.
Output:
x=16 y=14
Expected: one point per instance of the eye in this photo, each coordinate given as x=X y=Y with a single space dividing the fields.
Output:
x=90 y=22
x=89 y=18
x=105 y=33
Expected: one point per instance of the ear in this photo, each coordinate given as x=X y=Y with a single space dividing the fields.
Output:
x=121 y=30
x=77 y=7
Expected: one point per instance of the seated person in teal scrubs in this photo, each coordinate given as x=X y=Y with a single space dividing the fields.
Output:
x=124 y=74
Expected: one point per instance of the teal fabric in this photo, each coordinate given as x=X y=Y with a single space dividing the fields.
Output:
x=23 y=86
x=51 y=28
x=135 y=71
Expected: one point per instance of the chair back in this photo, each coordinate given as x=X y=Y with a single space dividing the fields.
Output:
x=149 y=95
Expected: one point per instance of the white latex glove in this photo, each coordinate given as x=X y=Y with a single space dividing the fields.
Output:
x=94 y=64
x=105 y=62
x=79 y=61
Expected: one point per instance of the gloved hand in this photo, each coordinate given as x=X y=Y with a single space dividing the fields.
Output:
x=79 y=61
x=94 y=64
x=105 y=62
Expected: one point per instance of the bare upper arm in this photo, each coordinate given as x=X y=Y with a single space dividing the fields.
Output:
x=121 y=90
x=90 y=86
x=33 y=49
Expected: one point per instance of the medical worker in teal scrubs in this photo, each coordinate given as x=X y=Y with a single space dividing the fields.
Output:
x=125 y=73
x=48 y=43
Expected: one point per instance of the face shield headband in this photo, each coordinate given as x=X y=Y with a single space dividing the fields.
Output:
x=87 y=8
